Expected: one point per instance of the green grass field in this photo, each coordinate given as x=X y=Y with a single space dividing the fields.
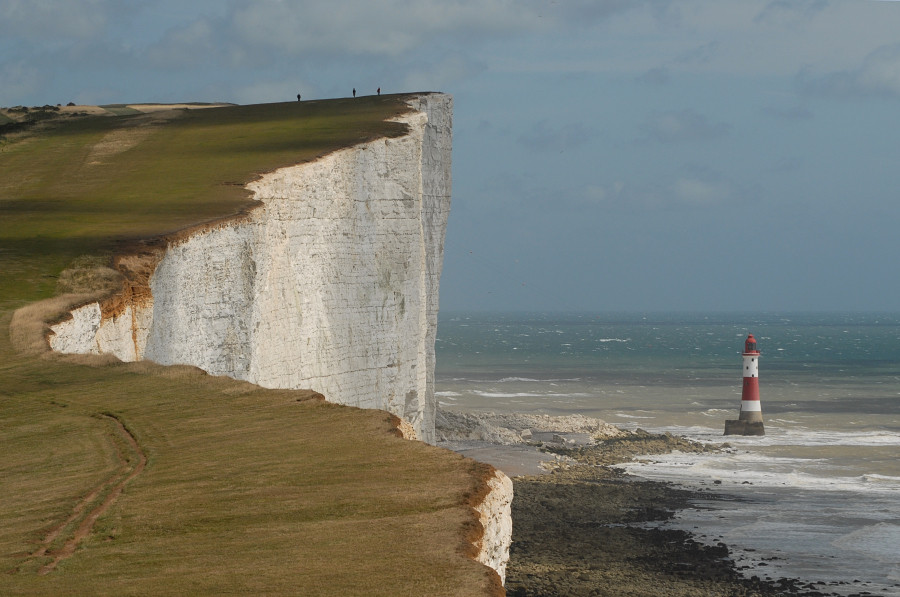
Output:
x=136 y=479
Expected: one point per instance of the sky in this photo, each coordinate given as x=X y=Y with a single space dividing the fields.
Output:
x=609 y=155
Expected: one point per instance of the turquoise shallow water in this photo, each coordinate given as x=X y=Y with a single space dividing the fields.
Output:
x=818 y=497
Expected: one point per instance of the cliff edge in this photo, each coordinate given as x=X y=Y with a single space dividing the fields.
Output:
x=330 y=284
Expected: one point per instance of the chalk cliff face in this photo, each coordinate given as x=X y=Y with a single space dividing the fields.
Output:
x=331 y=284
x=495 y=514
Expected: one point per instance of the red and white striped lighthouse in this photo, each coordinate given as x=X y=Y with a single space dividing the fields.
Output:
x=750 y=421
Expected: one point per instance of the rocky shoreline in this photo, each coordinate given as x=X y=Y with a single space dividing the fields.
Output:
x=591 y=529
x=585 y=527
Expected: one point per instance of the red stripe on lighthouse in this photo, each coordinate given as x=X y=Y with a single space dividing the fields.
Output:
x=750 y=391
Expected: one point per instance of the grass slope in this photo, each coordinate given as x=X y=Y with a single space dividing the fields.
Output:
x=228 y=488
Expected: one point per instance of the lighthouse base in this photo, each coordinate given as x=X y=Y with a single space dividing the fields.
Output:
x=738 y=427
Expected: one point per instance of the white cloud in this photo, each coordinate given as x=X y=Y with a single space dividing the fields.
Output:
x=880 y=71
x=80 y=19
x=682 y=126
x=877 y=75
x=381 y=27
x=184 y=47
x=696 y=187
x=599 y=194
x=441 y=73
x=788 y=113
x=700 y=193
x=655 y=76
x=702 y=54
x=596 y=193
x=543 y=136
x=791 y=12
x=753 y=37
x=394 y=27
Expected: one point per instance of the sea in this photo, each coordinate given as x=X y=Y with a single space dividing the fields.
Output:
x=817 y=498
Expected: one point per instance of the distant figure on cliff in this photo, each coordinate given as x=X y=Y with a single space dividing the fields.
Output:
x=379 y=91
x=298 y=97
x=354 y=92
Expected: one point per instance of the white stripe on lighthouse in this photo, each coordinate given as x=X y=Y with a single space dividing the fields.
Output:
x=750 y=406
x=751 y=366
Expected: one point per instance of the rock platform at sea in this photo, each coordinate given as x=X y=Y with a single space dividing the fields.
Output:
x=583 y=527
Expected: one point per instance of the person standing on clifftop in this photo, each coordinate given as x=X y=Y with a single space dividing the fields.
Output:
x=379 y=91
x=298 y=97
x=354 y=92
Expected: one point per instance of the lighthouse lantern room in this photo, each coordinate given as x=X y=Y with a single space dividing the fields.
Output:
x=750 y=421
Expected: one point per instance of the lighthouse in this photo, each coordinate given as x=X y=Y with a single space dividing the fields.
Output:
x=750 y=421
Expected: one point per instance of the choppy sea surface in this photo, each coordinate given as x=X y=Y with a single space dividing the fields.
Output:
x=817 y=498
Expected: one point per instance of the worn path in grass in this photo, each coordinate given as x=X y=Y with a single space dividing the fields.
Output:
x=131 y=460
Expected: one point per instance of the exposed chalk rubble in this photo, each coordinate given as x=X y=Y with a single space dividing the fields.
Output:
x=122 y=334
x=518 y=428
x=495 y=514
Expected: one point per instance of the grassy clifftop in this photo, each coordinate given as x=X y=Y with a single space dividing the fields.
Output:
x=82 y=182
x=138 y=479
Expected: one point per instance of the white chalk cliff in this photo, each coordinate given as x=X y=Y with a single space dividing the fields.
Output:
x=495 y=515
x=330 y=284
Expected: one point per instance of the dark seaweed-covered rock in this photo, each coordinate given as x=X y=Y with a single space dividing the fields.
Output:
x=588 y=529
